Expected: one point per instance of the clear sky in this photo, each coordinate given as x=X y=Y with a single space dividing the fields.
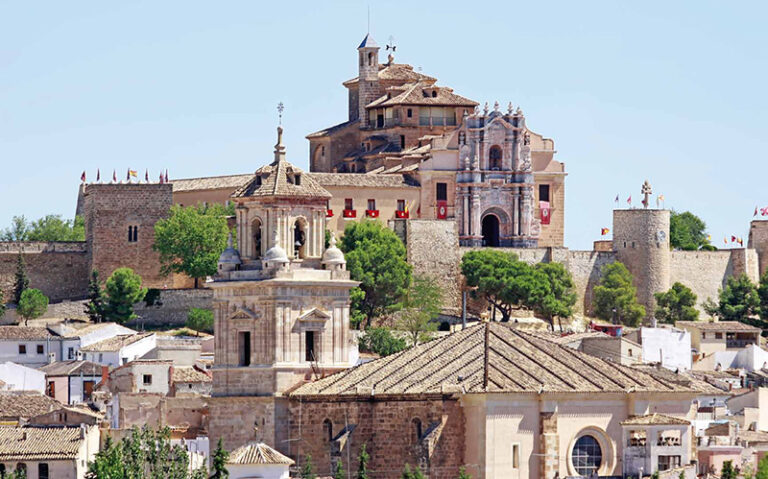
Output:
x=672 y=92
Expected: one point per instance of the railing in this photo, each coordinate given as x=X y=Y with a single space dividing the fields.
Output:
x=738 y=343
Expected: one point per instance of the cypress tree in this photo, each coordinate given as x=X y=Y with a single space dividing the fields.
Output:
x=95 y=306
x=22 y=280
x=220 y=457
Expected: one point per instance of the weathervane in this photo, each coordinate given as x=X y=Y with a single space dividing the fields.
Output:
x=391 y=45
x=280 y=108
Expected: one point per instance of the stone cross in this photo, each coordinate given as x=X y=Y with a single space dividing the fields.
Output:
x=646 y=192
x=280 y=108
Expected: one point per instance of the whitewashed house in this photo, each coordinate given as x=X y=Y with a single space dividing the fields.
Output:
x=16 y=377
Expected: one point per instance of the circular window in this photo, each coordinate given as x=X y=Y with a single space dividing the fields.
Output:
x=587 y=456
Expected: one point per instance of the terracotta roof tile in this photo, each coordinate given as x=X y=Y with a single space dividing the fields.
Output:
x=420 y=93
x=15 y=405
x=362 y=180
x=492 y=357
x=115 y=343
x=210 y=183
x=189 y=374
x=331 y=129
x=29 y=333
x=71 y=368
x=655 y=420
x=257 y=453
x=278 y=179
x=395 y=72
x=718 y=326
x=39 y=443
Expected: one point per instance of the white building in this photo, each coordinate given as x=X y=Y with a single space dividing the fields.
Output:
x=74 y=338
x=256 y=459
x=667 y=345
x=21 y=378
x=121 y=349
x=72 y=382
x=29 y=345
x=48 y=452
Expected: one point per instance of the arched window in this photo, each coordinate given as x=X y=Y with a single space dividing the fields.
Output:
x=257 y=234
x=415 y=430
x=587 y=456
x=370 y=58
x=328 y=429
x=494 y=157
x=299 y=239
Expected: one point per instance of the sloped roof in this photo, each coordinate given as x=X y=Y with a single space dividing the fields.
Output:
x=278 y=179
x=420 y=93
x=25 y=404
x=71 y=368
x=189 y=374
x=397 y=72
x=210 y=183
x=26 y=333
x=360 y=180
x=331 y=129
x=114 y=343
x=257 y=453
x=655 y=420
x=39 y=443
x=368 y=42
x=719 y=326
x=494 y=358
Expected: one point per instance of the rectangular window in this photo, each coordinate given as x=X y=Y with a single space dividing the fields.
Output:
x=400 y=205
x=309 y=346
x=101 y=357
x=668 y=462
x=543 y=192
x=348 y=204
x=718 y=335
x=515 y=456
x=133 y=234
x=22 y=349
x=402 y=142
x=40 y=349
x=441 y=191
x=147 y=379
x=410 y=113
x=244 y=348
x=71 y=353
x=42 y=471
x=371 y=204
x=703 y=335
x=51 y=389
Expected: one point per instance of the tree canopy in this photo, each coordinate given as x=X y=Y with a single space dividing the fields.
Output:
x=616 y=297
x=676 y=304
x=560 y=297
x=123 y=290
x=219 y=462
x=47 y=228
x=739 y=300
x=21 y=280
x=376 y=257
x=95 y=308
x=191 y=241
x=422 y=304
x=200 y=320
x=381 y=341
x=687 y=231
x=32 y=305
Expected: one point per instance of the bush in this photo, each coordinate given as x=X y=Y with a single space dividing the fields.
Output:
x=382 y=342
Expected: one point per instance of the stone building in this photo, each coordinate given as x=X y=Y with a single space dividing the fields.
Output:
x=281 y=304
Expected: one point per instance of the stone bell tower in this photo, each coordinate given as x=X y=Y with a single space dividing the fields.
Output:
x=368 y=77
x=281 y=305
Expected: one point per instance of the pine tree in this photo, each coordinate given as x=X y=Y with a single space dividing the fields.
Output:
x=307 y=472
x=362 y=469
x=95 y=306
x=22 y=280
x=339 y=473
x=220 y=457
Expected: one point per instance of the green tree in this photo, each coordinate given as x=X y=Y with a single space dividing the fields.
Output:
x=54 y=228
x=739 y=300
x=421 y=306
x=21 y=281
x=18 y=231
x=381 y=341
x=762 y=468
x=504 y=281
x=727 y=471
x=190 y=242
x=95 y=306
x=307 y=471
x=376 y=257
x=463 y=473
x=677 y=304
x=362 y=460
x=217 y=209
x=219 y=462
x=762 y=294
x=123 y=290
x=687 y=231
x=710 y=307
x=199 y=319
x=32 y=305
x=615 y=298
x=409 y=473
x=560 y=298
x=339 y=472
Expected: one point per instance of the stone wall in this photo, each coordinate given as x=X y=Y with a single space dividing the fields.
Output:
x=702 y=271
x=758 y=240
x=59 y=270
x=172 y=306
x=389 y=428
x=240 y=419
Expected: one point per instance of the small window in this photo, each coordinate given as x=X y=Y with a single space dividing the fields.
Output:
x=309 y=346
x=543 y=192
x=22 y=349
x=101 y=357
x=133 y=234
x=515 y=456
x=244 y=348
x=348 y=205
x=70 y=353
x=371 y=204
x=328 y=429
x=415 y=430
x=718 y=335
x=703 y=335
x=42 y=471
x=297 y=180
x=409 y=113
x=40 y=349
x=402 y=142
x=441 y=191
x=400 y=205
x=189 y=386
x=147 y=379
x=630 y=353
x=434 y=93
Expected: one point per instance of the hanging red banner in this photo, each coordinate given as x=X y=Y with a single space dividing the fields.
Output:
x=545 y=211
x=442 y=210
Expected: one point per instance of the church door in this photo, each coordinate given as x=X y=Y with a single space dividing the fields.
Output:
x=491 y=230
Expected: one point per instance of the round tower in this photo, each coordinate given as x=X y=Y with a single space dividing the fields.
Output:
x=641 y=242
x=368 y=77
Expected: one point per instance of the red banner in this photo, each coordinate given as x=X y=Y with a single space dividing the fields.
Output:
x=442 y=210
x=545 y=211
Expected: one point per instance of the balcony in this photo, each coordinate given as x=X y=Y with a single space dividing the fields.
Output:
x=372 y=213
x=437 y=121
x=350 y=214
x=402 y=215
x=329 y=213
x=739 y=343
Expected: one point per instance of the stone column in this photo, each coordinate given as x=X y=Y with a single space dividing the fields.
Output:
x=476 y=226
x=549 y=445
x=516 y=212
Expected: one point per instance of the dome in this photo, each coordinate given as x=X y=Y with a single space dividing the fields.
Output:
x=333 y=255
x=276 y=254
x=230 y=255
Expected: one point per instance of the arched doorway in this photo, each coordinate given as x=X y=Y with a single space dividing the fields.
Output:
x=300 y=239
x=494 y=157
x=257 y=234
x=490 y=230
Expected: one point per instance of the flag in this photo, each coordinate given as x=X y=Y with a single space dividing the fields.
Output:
x=755 y=212
x=733 y=239
x=661 y=197
x=132 y=173
x=604 y=231
x=616 y=200
x=98 y=175
x=114 y=176
x=161 y=177
x=709 y=238
x=764 y=211
x=629 y=200
x=644 y=201
x=82 y=177
x=725 y=240
x=545 y=212
x=166 y=176
x=741 y=242
x=146 y=175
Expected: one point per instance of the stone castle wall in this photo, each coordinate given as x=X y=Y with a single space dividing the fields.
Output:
x=59 y=270
x=758 y=240
x=173 y=306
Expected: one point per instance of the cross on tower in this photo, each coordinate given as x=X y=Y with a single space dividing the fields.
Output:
x=646 y=192
x=280 y=108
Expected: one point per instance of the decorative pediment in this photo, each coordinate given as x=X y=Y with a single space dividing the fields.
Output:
x=241 y=312
x=314 y=315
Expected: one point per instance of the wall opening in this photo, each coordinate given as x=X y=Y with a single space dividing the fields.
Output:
x=491 y=230
x=494 y=157
x=244 y=348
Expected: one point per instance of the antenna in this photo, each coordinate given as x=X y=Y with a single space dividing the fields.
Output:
x=369 y=18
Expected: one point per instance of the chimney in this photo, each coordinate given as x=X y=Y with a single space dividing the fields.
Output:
x=51 y=358
x=104 y=375
x=24 y=436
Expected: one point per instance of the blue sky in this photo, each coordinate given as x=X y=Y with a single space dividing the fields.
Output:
x=672 y=92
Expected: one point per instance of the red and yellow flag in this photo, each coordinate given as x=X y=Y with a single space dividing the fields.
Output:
x=604 y=231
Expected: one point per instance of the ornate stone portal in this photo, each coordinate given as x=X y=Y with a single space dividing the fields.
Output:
x=495 y=197
x=279 y=318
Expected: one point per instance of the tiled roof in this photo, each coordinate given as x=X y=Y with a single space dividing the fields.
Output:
x=25 y=333
x=257 y=453
x=397 y=72
x=492 y=357
x=277 y=179
x=79 y=332
x=722 y=429
x=25 y=404
x=114 y=343
x=210 y=183
x=189 y=374
x=361 y=180
x=39 y=443
x=718 y=326
x=331 y=129
x=655 y=420
x=420 y=93
x=753 y=437
x=569 y=338
x=72 y=368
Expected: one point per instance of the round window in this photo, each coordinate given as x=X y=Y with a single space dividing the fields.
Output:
x=587 y=456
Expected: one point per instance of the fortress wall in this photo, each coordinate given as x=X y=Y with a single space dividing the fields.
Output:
x=173 y=306
x=586 y=267
x=59 y=270
x=758 y=240
x=702 y=271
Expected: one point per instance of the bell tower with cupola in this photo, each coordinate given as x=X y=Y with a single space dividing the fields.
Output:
x=368 y=77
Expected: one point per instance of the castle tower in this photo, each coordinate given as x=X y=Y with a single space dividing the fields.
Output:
x=368 y=77
x=641 y=242
x=758 y=240
x=281 y=305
